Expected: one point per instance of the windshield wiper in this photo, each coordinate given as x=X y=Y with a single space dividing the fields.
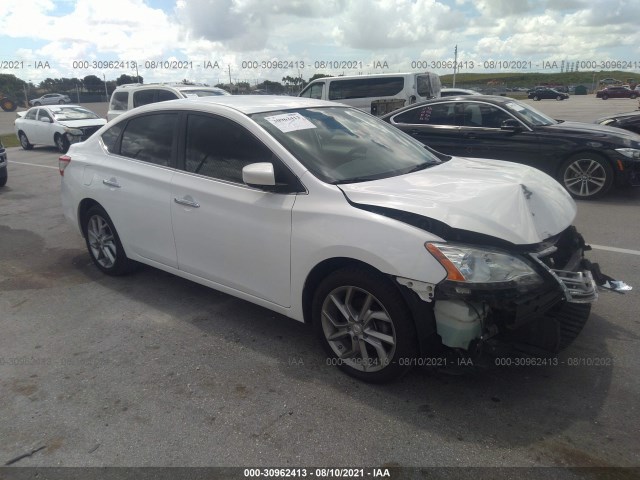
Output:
x=423 y=166
x=360 y=179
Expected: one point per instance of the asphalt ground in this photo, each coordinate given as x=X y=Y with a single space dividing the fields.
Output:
x=153 y=370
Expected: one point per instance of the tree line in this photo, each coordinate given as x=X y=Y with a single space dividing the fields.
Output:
x=16 y=88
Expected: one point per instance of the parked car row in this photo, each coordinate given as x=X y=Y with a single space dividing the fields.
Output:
x=328 y=215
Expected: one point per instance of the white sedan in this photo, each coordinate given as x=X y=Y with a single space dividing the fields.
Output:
x=329 y=215
x=56 y=125
x=50 y=99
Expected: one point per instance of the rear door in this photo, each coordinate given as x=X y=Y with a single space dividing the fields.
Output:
x=434 y=124
x=134 y=184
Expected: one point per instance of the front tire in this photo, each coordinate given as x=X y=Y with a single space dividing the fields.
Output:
x=62 y=143
x=24 y=141
x=586 y=176
x=536 y=98
x=605 y=97
x=104 y=244
x=3 y=176
x=364 y=325
x=559 y=98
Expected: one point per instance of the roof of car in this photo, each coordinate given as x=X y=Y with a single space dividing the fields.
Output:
x=55 y=108
x=247 y=104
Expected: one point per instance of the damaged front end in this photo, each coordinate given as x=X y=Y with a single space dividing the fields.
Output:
x=533 y=298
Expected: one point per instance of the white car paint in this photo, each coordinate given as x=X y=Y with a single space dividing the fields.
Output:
x=263 y=246
x=502 y=199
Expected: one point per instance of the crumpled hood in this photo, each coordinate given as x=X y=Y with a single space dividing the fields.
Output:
x=91 y=122
x=506 y=200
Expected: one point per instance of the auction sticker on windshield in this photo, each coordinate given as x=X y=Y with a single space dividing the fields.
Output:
x=290 y=122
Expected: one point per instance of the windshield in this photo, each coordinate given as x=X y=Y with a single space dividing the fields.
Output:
x=345 y=145
x=530 y=114
x=73 y=113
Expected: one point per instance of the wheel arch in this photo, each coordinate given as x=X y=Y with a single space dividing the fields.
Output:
x=83 y=208
x=422 y=313
x=564 y=158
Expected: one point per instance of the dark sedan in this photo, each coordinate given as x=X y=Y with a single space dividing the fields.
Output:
x=547 y=93
x=629 y=121
x=616 y=92
x=586 y=158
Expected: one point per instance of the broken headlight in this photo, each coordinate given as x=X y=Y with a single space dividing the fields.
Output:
x=486 y=267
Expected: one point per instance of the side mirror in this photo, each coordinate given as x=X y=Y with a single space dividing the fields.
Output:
x=511 y=125
x=45 y=120
x=259 y=175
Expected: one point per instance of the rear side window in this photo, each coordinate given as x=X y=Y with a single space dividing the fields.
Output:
x=143 y=97
x=433 y=114
x=150 y=138
x=365 y=87
x=120 y=101
x=110 y=137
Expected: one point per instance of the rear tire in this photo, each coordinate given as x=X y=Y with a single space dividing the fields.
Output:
x=103 y=243
x=3 y=176
x=364 y=325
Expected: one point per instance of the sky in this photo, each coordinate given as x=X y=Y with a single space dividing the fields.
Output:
x=212 y=41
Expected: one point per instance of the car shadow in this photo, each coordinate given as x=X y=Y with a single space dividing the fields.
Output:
x=505 y=405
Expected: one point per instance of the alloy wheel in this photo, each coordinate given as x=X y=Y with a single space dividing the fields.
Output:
x=101 y=241
x=358 y=328
x=585 y=177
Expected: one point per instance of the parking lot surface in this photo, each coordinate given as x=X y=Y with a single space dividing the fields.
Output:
x=153 y=370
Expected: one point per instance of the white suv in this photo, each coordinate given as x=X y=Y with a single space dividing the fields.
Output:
x=132 y=95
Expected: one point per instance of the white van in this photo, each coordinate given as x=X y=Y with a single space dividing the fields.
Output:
x=376 y=94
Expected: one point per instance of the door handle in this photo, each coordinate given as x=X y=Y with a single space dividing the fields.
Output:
x=112 y=182
x=188 y=202
x=469 y=135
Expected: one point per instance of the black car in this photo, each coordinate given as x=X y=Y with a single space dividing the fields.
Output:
x=547 y=93
x=629 y=121
x=586 y=158
x=3 y=166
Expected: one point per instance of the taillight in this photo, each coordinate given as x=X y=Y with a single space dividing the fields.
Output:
x=63 y=162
